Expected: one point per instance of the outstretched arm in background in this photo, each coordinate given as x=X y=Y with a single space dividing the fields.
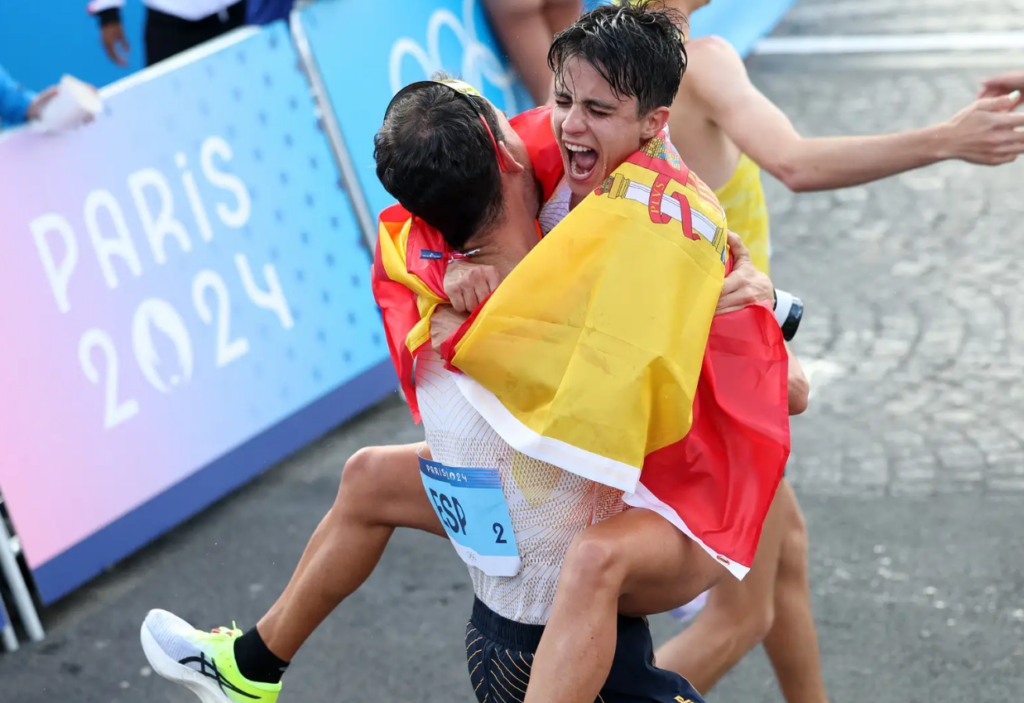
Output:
x=18 y=105
x=982 y=133
x=1004 y=84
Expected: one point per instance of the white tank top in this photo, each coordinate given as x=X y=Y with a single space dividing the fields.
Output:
x=548 y=506
x=556 y=208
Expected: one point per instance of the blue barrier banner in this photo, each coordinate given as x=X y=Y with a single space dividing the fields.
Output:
x=71 y=42
x=367 y=51
x=741 y=22
x=188 y=302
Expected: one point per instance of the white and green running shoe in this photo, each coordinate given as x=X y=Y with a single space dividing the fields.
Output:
x=203 y=662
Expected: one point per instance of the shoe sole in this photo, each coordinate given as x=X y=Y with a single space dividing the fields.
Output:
x=207 y=690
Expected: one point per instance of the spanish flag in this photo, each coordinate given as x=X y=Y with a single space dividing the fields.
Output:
x=411 y=258
x=601 y=354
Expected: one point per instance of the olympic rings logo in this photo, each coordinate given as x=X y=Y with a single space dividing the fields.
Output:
x=478 y=61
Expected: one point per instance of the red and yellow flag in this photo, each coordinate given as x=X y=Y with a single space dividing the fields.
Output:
x=411 y=258
x=600 y=353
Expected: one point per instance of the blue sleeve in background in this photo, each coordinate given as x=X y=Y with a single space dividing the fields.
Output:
x=267 y=11
x=14 y=100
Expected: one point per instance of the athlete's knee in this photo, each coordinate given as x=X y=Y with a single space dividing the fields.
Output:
x=793 y=554
x=360 y=480
x=750 y=622
x=593 y=561
x=742 y=615
x=761 y=620
x=356 y=473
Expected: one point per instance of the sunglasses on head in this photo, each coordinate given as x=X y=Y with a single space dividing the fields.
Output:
x=467 y=92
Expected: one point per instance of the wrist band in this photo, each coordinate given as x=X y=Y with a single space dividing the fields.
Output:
x=789 y=310
x=783 y=304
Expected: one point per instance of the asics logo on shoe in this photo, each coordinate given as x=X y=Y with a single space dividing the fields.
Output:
x=208 y=668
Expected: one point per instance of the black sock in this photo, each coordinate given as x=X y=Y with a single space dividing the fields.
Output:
x=255 y=661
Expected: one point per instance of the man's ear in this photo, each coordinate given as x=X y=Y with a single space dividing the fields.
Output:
x=654 y=122
x=511 y=165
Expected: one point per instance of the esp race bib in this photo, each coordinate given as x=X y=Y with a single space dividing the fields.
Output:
x=475 y=515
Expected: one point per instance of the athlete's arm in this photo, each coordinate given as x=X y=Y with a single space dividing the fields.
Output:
x=1001 y=85
x=468 y=284
x=982 y=133
x=799 y=388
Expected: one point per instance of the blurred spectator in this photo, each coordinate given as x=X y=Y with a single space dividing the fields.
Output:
x=18 y=105
x=172 y=26
x=525 y=29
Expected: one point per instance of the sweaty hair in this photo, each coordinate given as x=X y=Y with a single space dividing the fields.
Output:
x=435 y=157
x=637 y=47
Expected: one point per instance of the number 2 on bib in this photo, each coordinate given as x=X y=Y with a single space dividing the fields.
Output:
x=474 y=513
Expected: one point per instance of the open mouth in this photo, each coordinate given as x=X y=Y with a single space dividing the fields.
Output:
x=582 y=161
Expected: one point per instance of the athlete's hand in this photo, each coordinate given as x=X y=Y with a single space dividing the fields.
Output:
x=115 y=43
x=443 y=324
x=35 y=109
x=1001 y=85
x=745 y=285
x=467 y=284
x=986 y=132
x=799 y=388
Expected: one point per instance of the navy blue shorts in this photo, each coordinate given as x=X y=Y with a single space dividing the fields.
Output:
x=500 y=655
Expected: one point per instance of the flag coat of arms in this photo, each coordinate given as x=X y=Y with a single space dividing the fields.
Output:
x=601 y=354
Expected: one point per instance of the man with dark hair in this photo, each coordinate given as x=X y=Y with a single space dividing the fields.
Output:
x=449 y=181
x=606 y=107
x=381 y=487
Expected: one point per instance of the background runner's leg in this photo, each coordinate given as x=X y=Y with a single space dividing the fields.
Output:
x=526 y=28
x=792 y=642
x=738 y=614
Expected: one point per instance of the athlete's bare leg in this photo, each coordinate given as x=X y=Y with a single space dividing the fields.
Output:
x=792 y=642
x=526 y=28
x=738 y=615
x=380 y=490
x=636 y=563
x=561 y=13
